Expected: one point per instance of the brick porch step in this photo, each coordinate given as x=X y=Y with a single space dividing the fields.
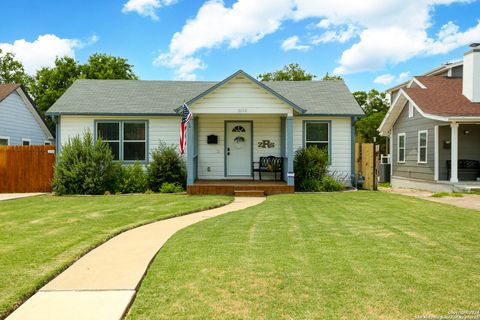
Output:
x=249 y=193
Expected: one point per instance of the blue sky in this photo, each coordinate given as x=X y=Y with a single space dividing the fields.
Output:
x=372 y=43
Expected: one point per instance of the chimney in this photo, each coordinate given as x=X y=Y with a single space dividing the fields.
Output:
x=471 y=73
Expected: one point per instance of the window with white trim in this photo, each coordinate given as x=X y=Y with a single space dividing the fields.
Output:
x=4 y=141
x=317 y=134
x=422 y=146
x=127 y=139
x=26 y=142
x=401 y=147
x=47 y=143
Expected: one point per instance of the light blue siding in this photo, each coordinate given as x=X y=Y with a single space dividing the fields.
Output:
x=17 y=122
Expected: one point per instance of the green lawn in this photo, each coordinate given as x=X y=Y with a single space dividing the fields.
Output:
x=359 y=255
x=40 y=236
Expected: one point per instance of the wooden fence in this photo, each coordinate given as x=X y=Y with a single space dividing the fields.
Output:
x=366 y=164
x=26 y=168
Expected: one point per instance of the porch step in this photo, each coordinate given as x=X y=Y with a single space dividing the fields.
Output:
x=466 y=188
x=249 y=193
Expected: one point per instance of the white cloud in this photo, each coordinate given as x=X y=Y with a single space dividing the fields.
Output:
x=404 y=76
x=247 y=21
x=382 y=32
x=146 y=8
x=342 y=35
x=324 y=24
x=43 y=51
x=386 y=79
x=292 y=44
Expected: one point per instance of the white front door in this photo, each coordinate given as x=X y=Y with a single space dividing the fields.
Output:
x=238 y=148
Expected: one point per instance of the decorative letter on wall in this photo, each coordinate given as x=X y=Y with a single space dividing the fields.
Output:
x=266 y=144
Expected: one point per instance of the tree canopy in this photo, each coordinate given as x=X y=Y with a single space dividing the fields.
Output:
x=11 y=70
x=332 y=77
x=50 y=83
x=375 y=105
x=291 y=72
x=103 y=66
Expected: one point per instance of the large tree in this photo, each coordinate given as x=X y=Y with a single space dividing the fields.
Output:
x=11 y=70
x=50 y=83
x=103 y=66
x=375 y=105
x=291 y=72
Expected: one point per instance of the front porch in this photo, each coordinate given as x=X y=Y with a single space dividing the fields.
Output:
x=224 y=153
x=458 y=154
x=239 y=187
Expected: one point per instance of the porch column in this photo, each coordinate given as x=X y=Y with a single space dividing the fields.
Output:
x=190 y=151
x=290 y=174
x=437 y=154
x=454 y=152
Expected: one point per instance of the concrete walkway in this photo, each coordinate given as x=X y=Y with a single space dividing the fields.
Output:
x=11 y=196
x=102 y=284
x=468 y=201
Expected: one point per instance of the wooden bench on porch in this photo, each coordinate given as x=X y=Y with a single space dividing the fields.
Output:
x=268 y=164
x=467 y=169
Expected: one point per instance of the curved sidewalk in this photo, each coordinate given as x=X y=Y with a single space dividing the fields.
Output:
x=102 y=284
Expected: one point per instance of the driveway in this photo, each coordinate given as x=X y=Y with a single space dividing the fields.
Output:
x=11 y=196
x=468 y=201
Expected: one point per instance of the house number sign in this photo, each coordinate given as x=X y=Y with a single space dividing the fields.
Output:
x=266 y=144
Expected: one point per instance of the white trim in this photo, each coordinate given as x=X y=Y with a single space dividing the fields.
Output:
x=383 y=126
x=26 y=140
x=6 y=138
x=426 y=146
x=416 y=82
x=404 y=147
x=47 y=143
x=437 y=154
x=410 y=110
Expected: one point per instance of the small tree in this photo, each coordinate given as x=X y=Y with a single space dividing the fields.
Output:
x=375 y=105
x=166 y=165
x=85 y=166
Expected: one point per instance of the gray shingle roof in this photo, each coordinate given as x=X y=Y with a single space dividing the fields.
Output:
x=137 y=97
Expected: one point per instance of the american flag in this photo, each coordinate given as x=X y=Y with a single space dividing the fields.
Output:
x=187 y=115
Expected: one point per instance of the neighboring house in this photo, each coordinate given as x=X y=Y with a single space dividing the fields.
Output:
x=20 y=120
x=235 y=121
x=434 y=127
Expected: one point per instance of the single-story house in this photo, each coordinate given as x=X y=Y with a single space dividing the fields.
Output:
x=20 y=121
x=235 y=122
x=434 y=128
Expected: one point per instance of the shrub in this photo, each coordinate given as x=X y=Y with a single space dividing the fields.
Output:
x=84 y=166
x=133 y=179
x=310 y=185
x=166 y=165
x=168 y=187
x=310 y=164
x=330 y=183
